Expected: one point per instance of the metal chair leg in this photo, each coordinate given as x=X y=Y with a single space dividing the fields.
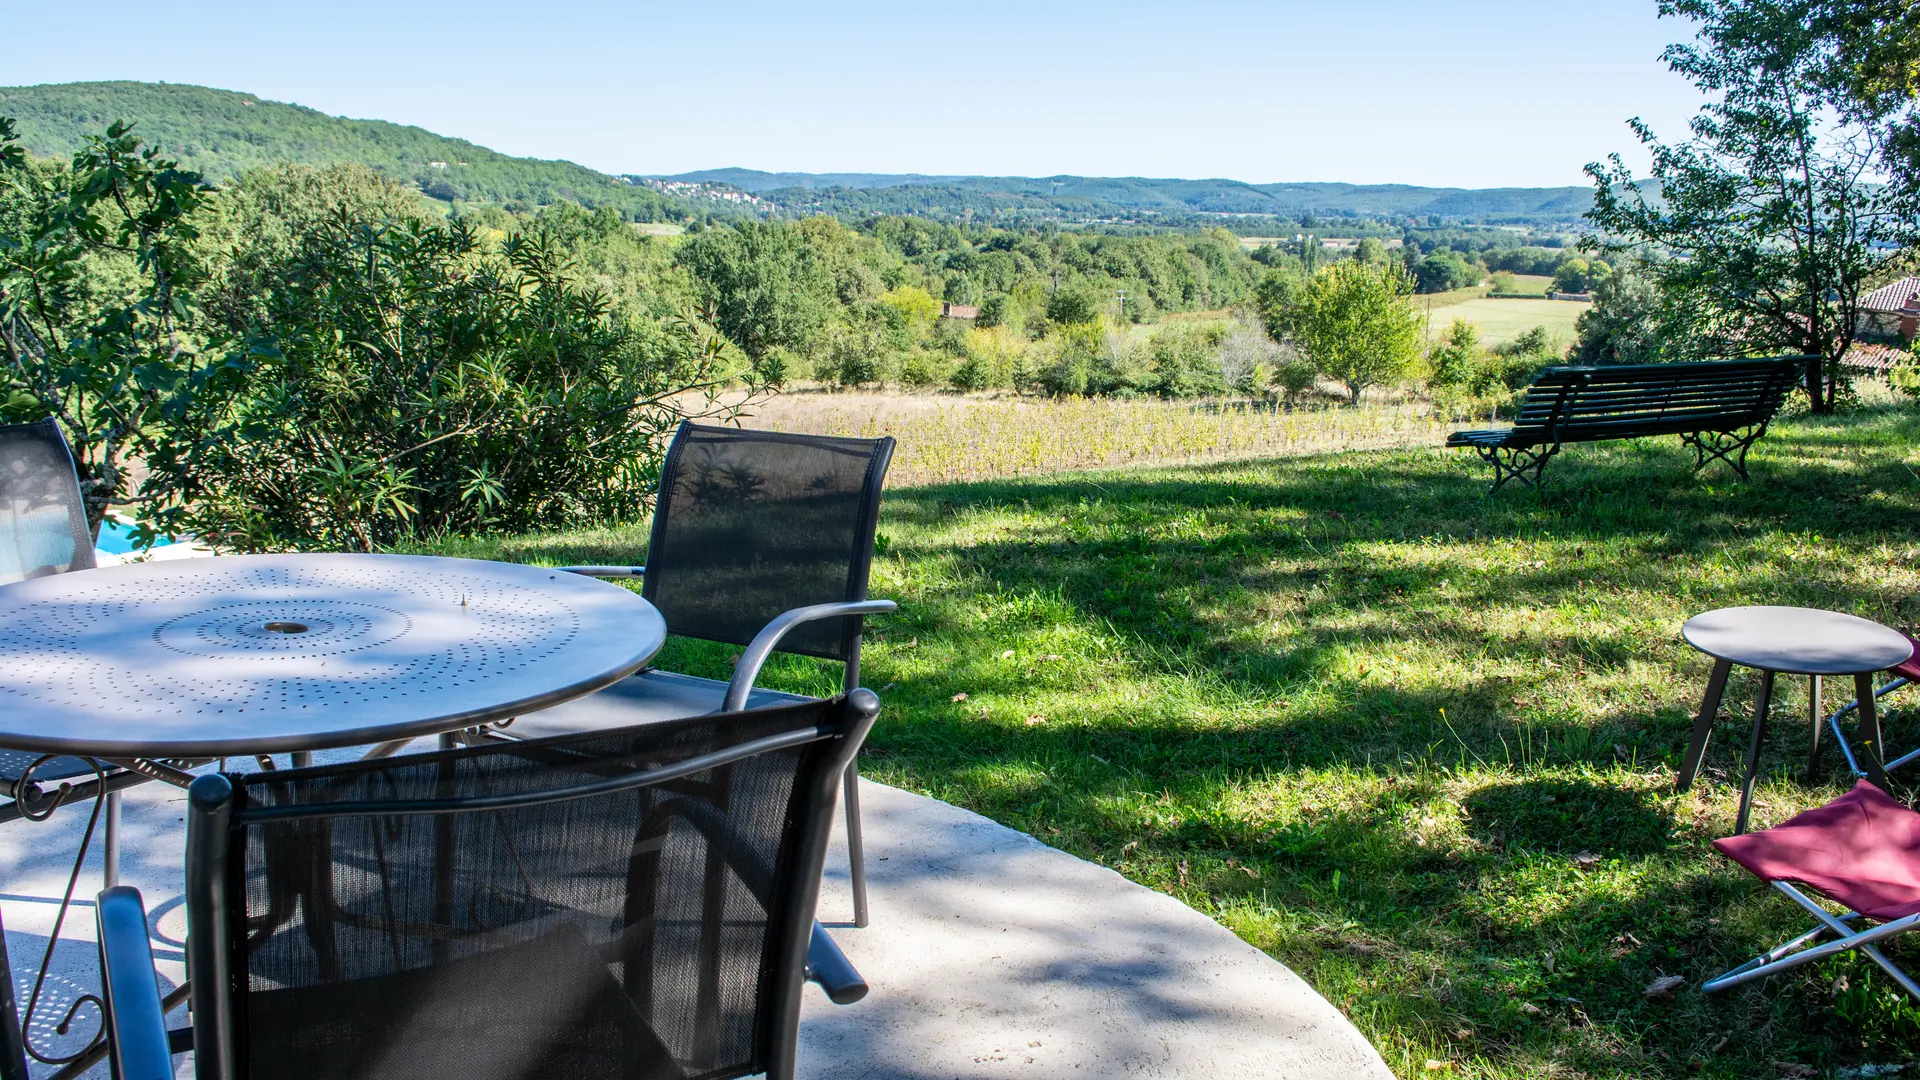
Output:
x=1760 y=706
x=856 y=853
x=112 y=842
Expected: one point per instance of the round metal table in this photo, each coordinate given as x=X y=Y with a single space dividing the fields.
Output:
x=1789 y=641
x=258 y=654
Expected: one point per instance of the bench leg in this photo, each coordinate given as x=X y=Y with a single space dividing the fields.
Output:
x=1515 y=462
x=1723 y=446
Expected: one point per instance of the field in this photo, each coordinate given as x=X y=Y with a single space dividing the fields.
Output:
x=954 y=437
x=1502 y=320
x=1416 y=742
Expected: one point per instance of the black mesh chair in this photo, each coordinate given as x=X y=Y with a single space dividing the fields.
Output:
x=633 y=903
x=43 y=530
x=762 y=539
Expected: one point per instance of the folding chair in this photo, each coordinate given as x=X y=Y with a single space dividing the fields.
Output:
x=762 y=539
x=626 y=904
x=1903 y=674
x=1861 y=851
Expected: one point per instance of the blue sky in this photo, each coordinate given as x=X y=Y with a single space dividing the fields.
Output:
x=1477 y=93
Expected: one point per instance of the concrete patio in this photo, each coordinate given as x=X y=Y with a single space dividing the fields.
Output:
x=990 y=955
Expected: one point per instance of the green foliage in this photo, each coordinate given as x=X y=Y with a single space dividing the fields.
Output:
x=1185 y=362
x=1073 y=307
x=1633 y=322
x=1444 y=271
x=407 y=382
x=97 y=267
x=764 y=284
x=1772 y=206
x=226 y=135
x=1356 y=324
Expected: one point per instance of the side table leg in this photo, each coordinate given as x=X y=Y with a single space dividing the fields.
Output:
x=1816 y=718
x=1760 y=707
x=1703 y=724
x=1870 y=730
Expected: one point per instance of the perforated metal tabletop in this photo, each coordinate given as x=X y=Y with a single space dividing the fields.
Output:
x=272 y=653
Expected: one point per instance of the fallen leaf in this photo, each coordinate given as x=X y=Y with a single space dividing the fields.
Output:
x=1585 y=860
x=1008 y=655
x=1530 y=1008
x=1435 y=1065
x=1051 y=657
x=1663 y=987
x=1033 y=720
x=1841 y=986
x=957 y=698
x=1793 y=1069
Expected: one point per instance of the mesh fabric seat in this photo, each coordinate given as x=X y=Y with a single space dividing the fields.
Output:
x=1862 y=851
x=632 y=903
x=762 y=539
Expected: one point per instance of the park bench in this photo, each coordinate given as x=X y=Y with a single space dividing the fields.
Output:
x=1719 y=408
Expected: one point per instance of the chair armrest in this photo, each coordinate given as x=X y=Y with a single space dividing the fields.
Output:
x=605 y=571
x=769 y=637
x=136 y=1021
x=829 y=967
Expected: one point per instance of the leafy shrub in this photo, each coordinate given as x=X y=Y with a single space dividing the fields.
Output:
x=1185 y=362
x=405 y=381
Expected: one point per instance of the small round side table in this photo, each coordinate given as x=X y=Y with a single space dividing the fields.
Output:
x=1789 y=641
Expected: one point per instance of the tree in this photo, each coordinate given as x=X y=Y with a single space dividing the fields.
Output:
x=1072 y=307
x=1370 y=250
x=1631 y=322
x=1873 y=72
x=764 y=284
x=97 y=272
x=1443 y=271
x=1772 y=206
x=1572 y=277
x=1356 y=323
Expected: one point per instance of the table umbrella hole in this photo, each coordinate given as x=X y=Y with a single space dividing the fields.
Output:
x=285 y=628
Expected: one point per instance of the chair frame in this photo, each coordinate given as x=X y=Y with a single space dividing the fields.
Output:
x=767 y=641
x=1801 y=950
x=1840 y=737
x=142 y=1048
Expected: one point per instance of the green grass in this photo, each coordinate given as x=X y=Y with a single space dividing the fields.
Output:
x=1367 y=717
x=1503 y=320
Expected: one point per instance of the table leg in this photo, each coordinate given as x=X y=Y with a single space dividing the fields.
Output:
x=1814 y=718
x=1760 y=707
x=1870 y=729
x=1703 y=724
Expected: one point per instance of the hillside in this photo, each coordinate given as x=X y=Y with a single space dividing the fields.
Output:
x=223 y=133
x=1132 y=195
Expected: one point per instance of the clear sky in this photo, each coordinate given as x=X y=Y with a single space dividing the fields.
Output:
x=1476 y=93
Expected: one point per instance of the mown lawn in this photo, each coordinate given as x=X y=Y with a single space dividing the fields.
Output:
x=1415 y=742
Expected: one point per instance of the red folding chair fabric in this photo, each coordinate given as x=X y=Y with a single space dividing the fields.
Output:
x=1910 y=669
x=1862 y=850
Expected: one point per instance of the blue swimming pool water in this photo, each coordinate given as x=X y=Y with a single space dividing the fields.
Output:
x=116 y=538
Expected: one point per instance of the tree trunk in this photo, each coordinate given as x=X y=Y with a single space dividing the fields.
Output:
x=1816 y=383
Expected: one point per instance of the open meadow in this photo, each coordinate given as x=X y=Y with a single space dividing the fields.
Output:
x=963 y=437
x=1501 y=320
x=1417 y=742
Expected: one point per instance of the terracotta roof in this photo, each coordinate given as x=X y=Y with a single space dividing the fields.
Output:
x=1891 y=298
x=959 y=311
x=1876 y=359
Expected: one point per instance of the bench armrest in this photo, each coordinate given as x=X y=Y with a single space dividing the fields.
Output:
x=136 y=1021
x=829 y=967
x=768 y=638
x=604 y=571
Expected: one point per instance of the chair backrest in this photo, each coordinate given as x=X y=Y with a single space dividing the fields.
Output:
x=43 y=523
x=630 y=904
x=753 y=523
x=1629 y=400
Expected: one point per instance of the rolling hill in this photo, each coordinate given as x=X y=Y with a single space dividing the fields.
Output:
x=1135 y=195
x=223 y=133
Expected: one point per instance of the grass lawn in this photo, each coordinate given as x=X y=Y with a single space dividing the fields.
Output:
x=1416 y=742
x=1503 y=320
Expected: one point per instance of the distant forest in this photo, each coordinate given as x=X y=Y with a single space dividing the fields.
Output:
x=223 y=134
